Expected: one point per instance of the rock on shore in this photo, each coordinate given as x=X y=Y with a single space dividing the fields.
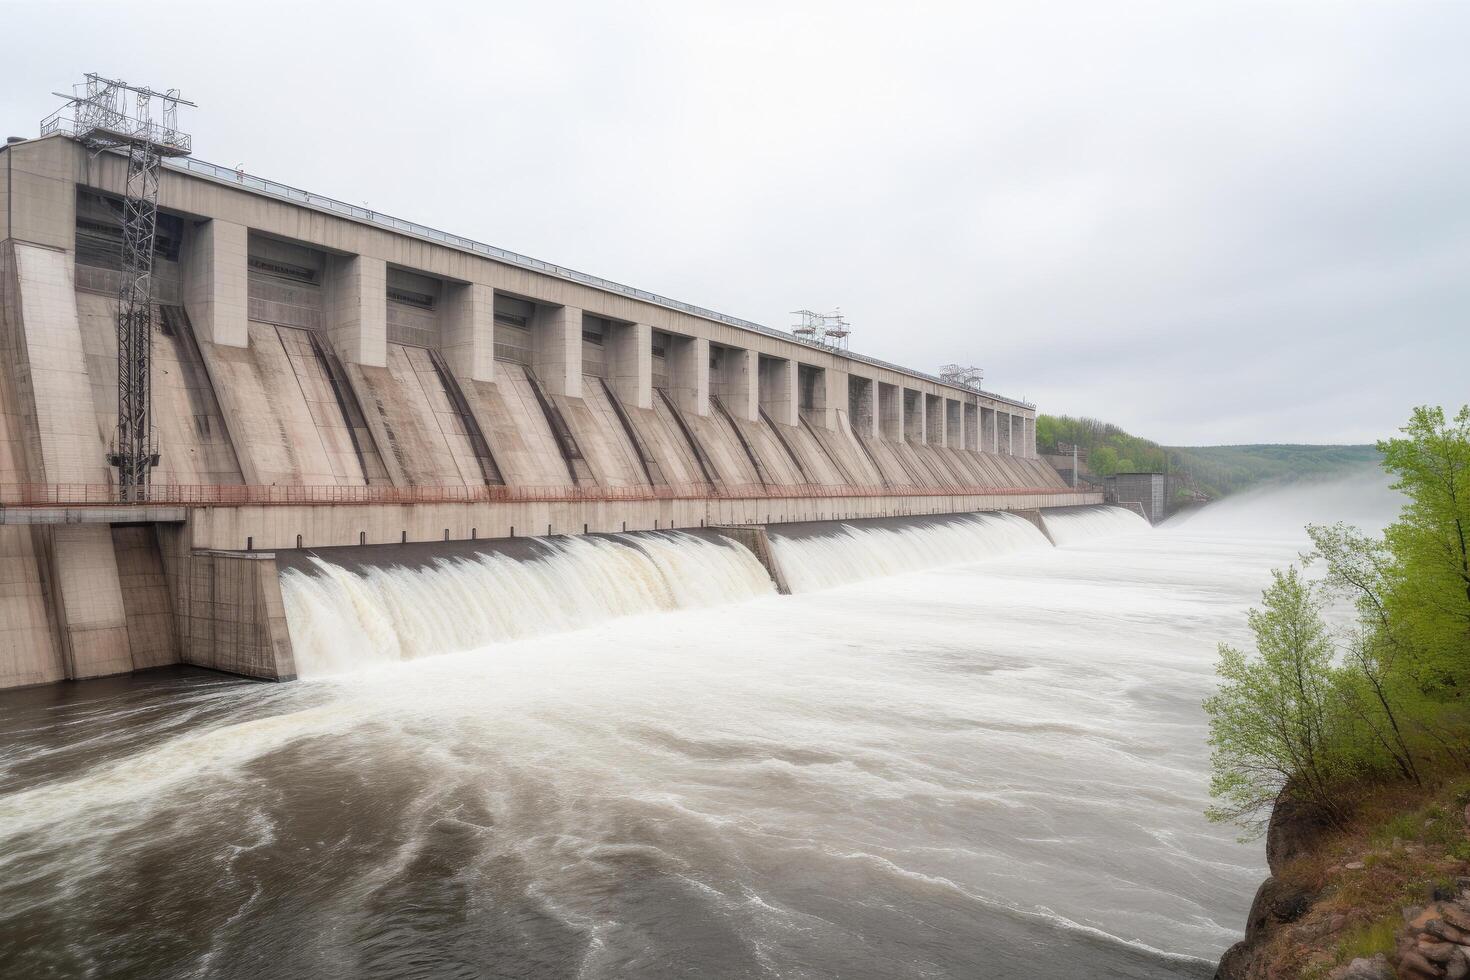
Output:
x=1284 y=927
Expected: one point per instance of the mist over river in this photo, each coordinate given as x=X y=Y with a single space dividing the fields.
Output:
x=992 y=766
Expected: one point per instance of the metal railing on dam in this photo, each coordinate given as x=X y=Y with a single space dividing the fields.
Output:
x=273 y=188
x=241 y=495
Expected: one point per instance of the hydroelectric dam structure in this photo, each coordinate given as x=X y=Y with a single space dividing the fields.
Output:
x=324 y=376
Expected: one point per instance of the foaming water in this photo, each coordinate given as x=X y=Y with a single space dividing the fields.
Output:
x=340 y=620
x=1075 y=525
x=990 y=768
x=857 y=552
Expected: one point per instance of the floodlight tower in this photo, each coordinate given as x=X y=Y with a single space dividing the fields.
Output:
x=106 y=114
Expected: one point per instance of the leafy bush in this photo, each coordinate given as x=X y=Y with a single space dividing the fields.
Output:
x=1275 y=720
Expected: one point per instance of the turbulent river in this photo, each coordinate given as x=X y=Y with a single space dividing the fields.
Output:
x=957 y=751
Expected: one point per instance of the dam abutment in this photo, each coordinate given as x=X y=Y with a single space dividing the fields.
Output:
x=229 y=614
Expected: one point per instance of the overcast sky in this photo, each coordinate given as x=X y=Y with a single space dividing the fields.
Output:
x=1207 y=223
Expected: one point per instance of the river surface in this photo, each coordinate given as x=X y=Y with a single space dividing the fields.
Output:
x=991 y=768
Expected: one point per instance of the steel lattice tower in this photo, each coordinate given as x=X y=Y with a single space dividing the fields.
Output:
x=112 y=115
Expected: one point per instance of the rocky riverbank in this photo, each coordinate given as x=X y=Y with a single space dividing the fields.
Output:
x=1389 y=897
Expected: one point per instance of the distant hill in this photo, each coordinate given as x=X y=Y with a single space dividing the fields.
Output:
x=1215 y=471
x=1219 y=470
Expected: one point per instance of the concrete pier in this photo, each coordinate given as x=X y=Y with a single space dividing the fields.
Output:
x=325 y=376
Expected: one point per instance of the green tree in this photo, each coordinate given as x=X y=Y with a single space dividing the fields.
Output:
x=1103 y=461
x=1047 y=433
x=1273 y=722
x=1428 y=592
x=1360 y=569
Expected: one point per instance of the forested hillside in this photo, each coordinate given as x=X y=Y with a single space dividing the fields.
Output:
x=1227 y=469
x=1213 y=470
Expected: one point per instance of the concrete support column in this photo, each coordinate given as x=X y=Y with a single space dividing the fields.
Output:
x=357 y=309
x=468 y=329
x=888 y=408
x=835 y=397
x=556 y=349
x=1028 y=440
x=862 y=405
x=216 y=282
x=914 y=417
x=689 y=373
x=630 y=363
x=737 y=383
x=46 y=358
x=778 y=397
x=87 y=594
x=934 y=419
x=40 y=194
x=972 y=427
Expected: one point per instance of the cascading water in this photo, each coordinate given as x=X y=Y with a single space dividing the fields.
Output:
x=342 y=621
x=1073 y=525
x=858 y=552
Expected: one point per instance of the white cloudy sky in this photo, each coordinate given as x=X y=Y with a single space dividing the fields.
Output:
x=1207 y=222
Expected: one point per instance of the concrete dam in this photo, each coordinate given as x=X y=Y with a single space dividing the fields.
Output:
x=354 y=411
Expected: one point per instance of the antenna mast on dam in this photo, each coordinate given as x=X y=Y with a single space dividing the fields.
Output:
x=828 y=329
x=112 y=115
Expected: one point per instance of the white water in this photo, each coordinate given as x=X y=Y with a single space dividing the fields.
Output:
x=858 y=552
x=1069 y=527
x=343 y=621
x=991 y=768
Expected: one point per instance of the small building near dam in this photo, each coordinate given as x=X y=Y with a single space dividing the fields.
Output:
x=324 y=375
x=1147 y=491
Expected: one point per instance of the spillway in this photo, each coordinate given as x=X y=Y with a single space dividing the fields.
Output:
x=1073 y=525
x=341 y=620
x=344 y=619
x=854 y=552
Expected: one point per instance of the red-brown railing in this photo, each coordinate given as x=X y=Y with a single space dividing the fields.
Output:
x=214 y=495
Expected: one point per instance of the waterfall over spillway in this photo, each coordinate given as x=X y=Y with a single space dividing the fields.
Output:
x=342 y=621
x=861 y=552
x=1077 y=524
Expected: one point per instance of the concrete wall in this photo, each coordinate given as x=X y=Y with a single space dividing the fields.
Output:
x=278 y=527
x=30 y=651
